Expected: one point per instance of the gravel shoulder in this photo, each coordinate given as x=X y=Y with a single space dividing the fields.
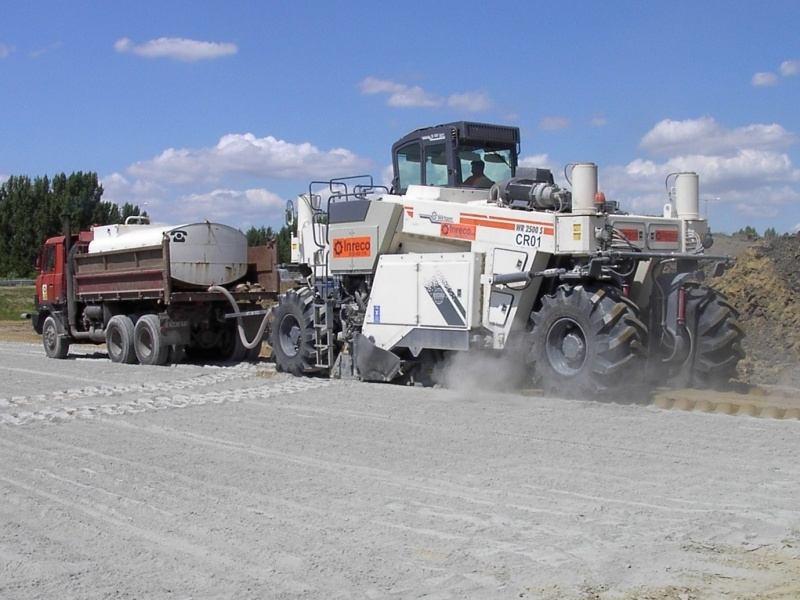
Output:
x=144 y=482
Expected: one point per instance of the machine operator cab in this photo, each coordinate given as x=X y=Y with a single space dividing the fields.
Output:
x=461 y=154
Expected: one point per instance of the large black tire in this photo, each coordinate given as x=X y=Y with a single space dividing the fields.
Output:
x=585 y=340
x=292 y=336
x=55 y=344
x=718 y=337
x=231 y=348
x=150 y=346
x=119 y=339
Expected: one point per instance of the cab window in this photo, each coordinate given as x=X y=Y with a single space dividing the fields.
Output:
x=49 y=259
x=435 y=165
x=409 y=166
x=496 y=163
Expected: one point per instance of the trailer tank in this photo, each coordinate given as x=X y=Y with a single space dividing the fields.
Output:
x=200 y=254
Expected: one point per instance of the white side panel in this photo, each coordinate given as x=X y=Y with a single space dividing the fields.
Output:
x=446 y=291
x=394 y=300
x=429 y=291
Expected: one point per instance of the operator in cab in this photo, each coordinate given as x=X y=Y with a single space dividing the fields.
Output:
x=478 y=179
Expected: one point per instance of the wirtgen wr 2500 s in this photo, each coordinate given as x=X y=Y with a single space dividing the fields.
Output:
x=468 y=252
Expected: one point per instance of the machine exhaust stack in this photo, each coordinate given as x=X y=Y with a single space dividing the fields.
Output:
x=687 y=196
x=584 y=188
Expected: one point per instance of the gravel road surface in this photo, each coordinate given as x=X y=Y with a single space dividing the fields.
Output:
x=122 y=481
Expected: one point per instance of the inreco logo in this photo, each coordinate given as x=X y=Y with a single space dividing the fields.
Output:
x=352 y=247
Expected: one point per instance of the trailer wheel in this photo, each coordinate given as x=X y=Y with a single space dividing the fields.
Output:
x=292 y=336
x=148 y=341
x=718 y=340
x=55 y=345
x=584 y=341
x=119 y=339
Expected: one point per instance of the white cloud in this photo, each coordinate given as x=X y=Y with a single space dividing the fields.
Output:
x=598 y=121
x=541 y=161
x=5 y=50
x=470 y=101
x=119 y=189
x=181 y=49
x=3 y=178
x=748 y=169
x=764 y=79
x=790 y=67
x=400 y=95
x=226 y=205
x=387 y=174
x=706 y=136
x=742 y=166
x=44 y=49
x=553 y=123
x=248 y=155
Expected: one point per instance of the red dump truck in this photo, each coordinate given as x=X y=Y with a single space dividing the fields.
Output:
x=155 y=293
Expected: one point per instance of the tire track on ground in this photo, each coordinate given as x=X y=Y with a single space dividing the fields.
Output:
x=110 y=390
x=62 y=414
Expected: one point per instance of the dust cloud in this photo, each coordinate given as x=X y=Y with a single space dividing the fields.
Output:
x=480 y=371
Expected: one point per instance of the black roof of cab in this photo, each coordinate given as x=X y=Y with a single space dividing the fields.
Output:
x=463 y=130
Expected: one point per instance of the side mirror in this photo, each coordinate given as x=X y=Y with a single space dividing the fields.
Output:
x=289 y=213
x=38 y=263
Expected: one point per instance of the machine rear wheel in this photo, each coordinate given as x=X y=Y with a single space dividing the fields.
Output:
x=55 y=346
x=583 y=340
x=718 y=338
x=292 y=336
x=148 y=342
x=119 y=339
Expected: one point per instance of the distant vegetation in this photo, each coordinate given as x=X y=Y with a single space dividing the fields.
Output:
x=258 y=236
x=31 y=210
x=751 y=233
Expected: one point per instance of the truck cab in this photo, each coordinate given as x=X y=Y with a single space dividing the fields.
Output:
x=460 y=154
x=51 y=282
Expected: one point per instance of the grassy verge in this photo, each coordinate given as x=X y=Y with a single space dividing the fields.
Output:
x=14 y=301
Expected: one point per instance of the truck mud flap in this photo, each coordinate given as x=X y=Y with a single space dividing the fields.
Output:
x=373 y=363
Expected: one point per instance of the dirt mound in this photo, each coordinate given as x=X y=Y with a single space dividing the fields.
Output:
x=764 y=286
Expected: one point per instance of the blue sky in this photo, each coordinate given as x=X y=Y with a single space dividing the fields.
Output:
x=225 y=110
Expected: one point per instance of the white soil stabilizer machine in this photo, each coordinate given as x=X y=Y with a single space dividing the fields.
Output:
x=468 y=252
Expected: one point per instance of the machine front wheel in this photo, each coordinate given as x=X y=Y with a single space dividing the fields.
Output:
x=584 y=341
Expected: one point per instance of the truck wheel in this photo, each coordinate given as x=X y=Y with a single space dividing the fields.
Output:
x=292 y=336
x=718 y=345
x=231 y=348
x=148 y=342
x=585 y=340
x=119 y=339
x=55 y=345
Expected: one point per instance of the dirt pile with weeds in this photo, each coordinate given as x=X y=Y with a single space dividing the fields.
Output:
x=764 y=286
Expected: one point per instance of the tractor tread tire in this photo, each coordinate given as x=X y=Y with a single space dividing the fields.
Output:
x=297 y=305
x=719 y=338
x=614 y=344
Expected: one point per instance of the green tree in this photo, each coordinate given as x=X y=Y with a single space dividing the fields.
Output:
x=31 y=210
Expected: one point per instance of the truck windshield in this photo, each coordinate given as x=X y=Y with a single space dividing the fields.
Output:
x=482 y=166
